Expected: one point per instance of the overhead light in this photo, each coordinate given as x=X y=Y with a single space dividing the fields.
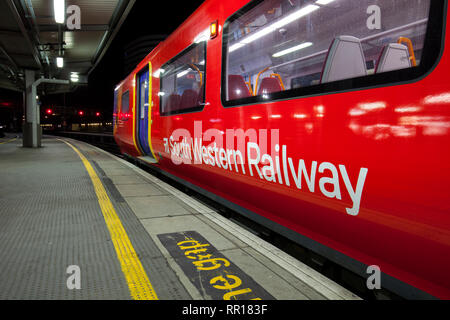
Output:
x=275 y=26
x=74 y=77
x=236 y=46
x=60 y=62
x=293 y=49
x=59 y=7
x=183 y=73
x=324 y=2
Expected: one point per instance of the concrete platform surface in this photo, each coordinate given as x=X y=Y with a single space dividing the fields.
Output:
x=79 y=223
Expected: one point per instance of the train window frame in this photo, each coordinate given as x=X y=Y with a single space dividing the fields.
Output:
x=434 y=42
x=194 y=109
x=138 y=93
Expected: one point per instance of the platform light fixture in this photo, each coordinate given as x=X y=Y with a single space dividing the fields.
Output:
x=74 y=77
x=59 y=8
x=60 y=62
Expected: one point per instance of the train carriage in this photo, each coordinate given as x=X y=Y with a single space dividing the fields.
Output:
x=326 y=121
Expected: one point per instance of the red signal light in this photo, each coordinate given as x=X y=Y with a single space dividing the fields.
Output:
x=98 y=114
x=49 y=111
x=81 y=113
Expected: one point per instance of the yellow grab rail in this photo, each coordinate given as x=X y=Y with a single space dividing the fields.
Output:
x=409 y=44
x=249 y=85
x=276 y=75
x=199 y=73
x=257 y=80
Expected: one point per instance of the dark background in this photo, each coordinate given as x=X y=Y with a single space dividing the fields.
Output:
x=146 y=19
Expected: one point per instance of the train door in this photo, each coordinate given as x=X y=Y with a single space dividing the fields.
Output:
x=143 y=111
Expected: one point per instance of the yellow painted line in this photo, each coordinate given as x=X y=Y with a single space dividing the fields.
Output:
x=137 y=279
x=8 y=141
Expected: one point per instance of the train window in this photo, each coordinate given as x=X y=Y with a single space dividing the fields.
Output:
x=125 y=111
x=277 y=49
x=183 y=81
x=115 y=108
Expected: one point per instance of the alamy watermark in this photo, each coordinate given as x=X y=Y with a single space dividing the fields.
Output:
x=374 y=280
x=73 y=20
x=74 y=280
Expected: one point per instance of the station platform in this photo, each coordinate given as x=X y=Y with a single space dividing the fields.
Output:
x=78 y=223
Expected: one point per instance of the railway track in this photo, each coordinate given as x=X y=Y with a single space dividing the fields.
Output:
x=103 y=141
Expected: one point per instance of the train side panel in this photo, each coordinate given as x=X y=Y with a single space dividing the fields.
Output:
x=380 y=160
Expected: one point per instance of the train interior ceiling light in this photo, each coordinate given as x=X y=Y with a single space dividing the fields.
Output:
x=59 y=7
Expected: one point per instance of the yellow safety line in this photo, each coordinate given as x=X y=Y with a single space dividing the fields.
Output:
x=137 y=279
x=8 y=141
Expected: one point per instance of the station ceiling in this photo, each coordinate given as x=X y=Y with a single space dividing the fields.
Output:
x=31 y=39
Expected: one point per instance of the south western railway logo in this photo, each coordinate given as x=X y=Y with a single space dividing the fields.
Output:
x=267 y=161
x=214 y=275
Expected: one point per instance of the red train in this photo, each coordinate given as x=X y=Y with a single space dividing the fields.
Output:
x=327 y=121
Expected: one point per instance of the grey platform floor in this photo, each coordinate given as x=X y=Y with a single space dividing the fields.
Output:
x=50 y=219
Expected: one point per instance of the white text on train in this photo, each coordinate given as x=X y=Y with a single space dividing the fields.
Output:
x=253 y=158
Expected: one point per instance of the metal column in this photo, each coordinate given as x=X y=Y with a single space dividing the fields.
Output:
x=32 y=132
x=31 y=136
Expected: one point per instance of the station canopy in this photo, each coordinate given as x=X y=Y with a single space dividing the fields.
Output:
x=30 y=38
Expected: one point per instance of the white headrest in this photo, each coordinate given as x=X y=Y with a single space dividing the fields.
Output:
x=394 y=57
x=345 y=60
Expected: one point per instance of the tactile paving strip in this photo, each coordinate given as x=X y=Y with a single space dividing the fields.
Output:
x=161 y=275
x=50 y=219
